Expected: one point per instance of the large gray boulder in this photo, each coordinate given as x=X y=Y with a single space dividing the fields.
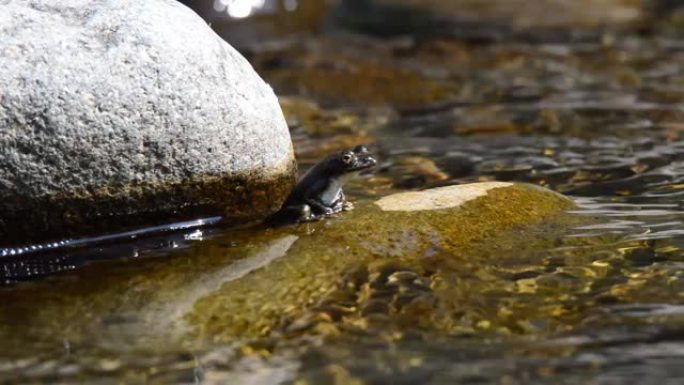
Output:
x=114 y=113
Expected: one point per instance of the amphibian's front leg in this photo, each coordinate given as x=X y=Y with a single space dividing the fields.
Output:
x=346 y=205
x=318 y=207
x=341 y=203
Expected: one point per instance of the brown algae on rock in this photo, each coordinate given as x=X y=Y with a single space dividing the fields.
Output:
x=120 y=207
x=459 y=269
x=277 y=298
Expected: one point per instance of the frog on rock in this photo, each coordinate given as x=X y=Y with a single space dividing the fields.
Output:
x=319 y=191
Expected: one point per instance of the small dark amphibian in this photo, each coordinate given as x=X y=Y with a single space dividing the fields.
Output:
x=319 y=191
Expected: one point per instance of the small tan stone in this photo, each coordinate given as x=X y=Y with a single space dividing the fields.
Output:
x=437 y=198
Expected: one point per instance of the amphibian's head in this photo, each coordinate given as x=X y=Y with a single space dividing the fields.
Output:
x=355 y=159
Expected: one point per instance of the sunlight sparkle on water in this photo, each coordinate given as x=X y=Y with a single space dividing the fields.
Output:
x=238 y=8
x=291 y=5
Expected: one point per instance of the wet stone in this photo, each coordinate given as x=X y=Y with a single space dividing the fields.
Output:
x=346 y=272
x=401 y=291
x=111 y=126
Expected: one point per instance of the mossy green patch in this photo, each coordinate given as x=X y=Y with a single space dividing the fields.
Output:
x=270 y=298
x=312 y=278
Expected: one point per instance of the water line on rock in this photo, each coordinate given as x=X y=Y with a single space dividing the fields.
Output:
x=51 y=246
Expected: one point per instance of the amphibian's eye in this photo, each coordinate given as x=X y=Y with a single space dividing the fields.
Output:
x=347 y=158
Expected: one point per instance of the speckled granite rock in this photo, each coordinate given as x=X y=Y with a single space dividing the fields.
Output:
x=126 y=112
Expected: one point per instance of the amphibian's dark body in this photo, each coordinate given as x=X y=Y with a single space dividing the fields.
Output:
x=319 y=191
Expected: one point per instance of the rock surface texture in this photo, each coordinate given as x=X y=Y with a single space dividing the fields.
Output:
x=126 y=112
x=391 y=257
x=441 y=230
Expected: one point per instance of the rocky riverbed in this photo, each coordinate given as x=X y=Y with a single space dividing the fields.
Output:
x=523 y=224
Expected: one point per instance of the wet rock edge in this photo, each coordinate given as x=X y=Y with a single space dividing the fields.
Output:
x=239 y=197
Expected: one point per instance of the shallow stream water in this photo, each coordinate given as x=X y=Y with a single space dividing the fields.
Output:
x=593 y=113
